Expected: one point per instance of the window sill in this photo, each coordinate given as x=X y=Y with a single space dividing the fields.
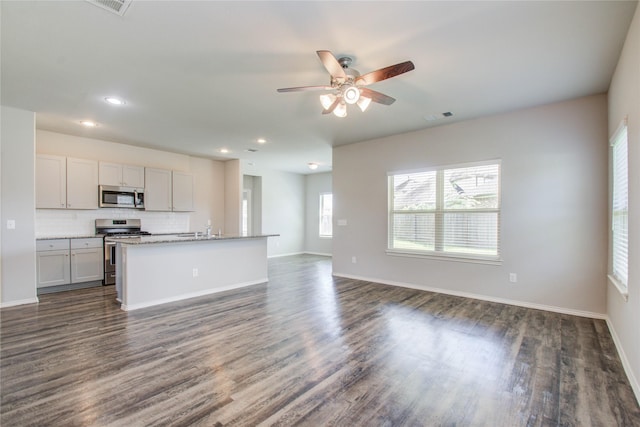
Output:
x=624 y=291
x=445 y=257
x=326 y=237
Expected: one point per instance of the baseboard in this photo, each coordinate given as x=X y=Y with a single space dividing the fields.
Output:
x=317 y=253
x=551 y=308
x=625 y=361
x=283 y=255
x=176 y=298
x=19 y=302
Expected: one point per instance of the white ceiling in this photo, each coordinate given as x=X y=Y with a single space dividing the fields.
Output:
x=200 y=76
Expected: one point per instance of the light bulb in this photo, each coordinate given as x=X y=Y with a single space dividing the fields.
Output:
x=341 y=110
x=327 y=100
x=363 y=103
x=351 y=94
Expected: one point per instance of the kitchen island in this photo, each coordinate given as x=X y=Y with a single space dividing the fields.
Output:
x=158 y=269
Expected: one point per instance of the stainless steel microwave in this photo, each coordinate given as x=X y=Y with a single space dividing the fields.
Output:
x=121 y=197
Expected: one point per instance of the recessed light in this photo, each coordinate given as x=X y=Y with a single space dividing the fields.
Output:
x=313 y=166
x=250 y=150
x=88 y=123
x=224 y=150
x=114 y=101
x=261 y=141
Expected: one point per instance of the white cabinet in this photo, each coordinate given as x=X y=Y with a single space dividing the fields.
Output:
x=87 y=260
x=121 y=175
x=82 y=184
x=182 y=192
x=51 y=182
x=157 y=189
x=65 y=261
x=52 y=262
x=63 y=182
x=168 y=191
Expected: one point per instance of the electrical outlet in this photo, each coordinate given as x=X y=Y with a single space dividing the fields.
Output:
x=195 y=272
x=513 y=277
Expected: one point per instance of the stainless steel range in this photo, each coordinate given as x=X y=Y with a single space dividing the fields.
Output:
x=116 y=227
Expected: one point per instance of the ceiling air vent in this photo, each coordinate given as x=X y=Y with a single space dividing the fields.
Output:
x=119 y=7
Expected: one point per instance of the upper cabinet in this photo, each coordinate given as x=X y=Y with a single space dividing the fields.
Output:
x=51 y=182
x=182 y=192
x=157 y=189
x=82 y=184
x=63 y=182
x=168 y=191
x=121 y=175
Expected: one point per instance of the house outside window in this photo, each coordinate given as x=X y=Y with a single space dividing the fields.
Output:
x=619 y=257
x=326 y=215
x=451 y=211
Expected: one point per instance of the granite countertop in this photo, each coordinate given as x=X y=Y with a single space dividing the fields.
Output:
x=179 y=238
x=88 y=236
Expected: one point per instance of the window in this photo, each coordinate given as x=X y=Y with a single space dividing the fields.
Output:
x=452 y=211
x=619 y=209
x=326 y=214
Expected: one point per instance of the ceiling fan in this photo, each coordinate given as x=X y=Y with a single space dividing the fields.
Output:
x=348 y=85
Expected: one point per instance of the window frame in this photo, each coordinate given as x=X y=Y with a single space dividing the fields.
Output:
x=320 y=215
x=620 y=283
x=439 y=213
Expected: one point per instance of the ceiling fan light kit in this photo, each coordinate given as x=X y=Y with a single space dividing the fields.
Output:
x=351 y=94
x=348 y=85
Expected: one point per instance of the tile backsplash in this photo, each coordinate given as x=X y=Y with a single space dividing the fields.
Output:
x=70 y=223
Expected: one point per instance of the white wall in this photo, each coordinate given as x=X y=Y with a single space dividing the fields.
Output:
x=18 y=249
x=315 y=185
x=283 y=200
x=624 y=100
x=208 y=178
x=209 y=194
x=232 y=197
x=554 y=206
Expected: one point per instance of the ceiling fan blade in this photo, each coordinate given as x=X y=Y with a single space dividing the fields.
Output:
x=385 y=73
x=304 y=88
x=332 y=106
x=332 y=65
x=378 y=97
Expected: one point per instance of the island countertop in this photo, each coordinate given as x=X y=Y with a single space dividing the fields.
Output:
x=180 y=238
x=162 y=268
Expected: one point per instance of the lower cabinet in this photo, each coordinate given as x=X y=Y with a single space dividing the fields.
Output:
x=67 y=261
x=52 y=262
x=87 y=260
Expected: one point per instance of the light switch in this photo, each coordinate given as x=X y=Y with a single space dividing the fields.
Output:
x=11 y=224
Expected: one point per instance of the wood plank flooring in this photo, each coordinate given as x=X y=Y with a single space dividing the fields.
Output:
x=307 y=349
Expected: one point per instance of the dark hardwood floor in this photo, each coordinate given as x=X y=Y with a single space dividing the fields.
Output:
x=307 y=349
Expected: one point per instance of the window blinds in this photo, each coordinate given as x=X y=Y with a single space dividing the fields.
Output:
x=453 y=210
x=620 y=208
